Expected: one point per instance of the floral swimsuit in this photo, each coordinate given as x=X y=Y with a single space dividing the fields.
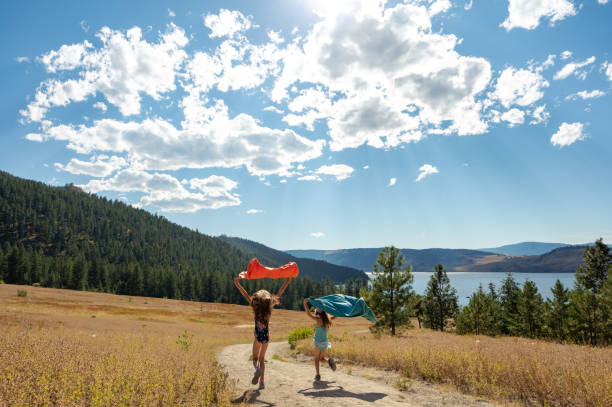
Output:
x=262 y=333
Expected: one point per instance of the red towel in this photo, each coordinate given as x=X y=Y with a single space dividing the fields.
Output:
x=256 y=270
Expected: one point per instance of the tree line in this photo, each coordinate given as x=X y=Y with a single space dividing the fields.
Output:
x=582 y=314
x=62 y=237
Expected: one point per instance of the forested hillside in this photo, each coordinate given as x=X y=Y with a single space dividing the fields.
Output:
x=65 y=238
x=315 y=269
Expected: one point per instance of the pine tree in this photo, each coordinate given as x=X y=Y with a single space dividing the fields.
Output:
x=589 y=308
x=508 y=299
x=530 y=311
x=391 y=296
x=557 y=312
x=597 y=262
x=440 y=301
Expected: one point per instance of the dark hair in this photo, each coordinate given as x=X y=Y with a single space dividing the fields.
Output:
x=263 y=302
x=324 y=318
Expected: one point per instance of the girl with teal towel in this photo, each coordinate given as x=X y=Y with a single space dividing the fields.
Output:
x=321 y=341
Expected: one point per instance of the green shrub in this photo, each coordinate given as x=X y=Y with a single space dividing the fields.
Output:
x=22 y=293
x=36 y=285
x=2 y=282
x=299 y=333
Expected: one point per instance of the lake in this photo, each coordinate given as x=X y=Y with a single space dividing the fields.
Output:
x=466 y=283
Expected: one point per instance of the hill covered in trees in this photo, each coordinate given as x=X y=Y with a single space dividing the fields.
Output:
x=315 y=269
x=64 y=238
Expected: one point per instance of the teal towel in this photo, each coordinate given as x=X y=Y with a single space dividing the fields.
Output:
x=341 y=305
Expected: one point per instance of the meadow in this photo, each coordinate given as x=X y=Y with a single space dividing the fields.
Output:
x=71 y=348
x=507 y=369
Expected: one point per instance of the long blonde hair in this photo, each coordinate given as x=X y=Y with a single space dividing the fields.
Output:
x=263 y=302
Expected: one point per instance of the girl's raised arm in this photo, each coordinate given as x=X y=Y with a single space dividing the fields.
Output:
x=282 y=289
x=242 y=290
x=307 y=309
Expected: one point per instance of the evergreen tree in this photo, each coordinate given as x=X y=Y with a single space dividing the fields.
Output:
x=557 y=312
x=440 y=302
x=589 y=308
x=508 y=299
x=530 y=311
x=597 y=262
x=391 y=296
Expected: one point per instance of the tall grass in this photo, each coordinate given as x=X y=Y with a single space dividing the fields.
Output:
x=42 y=366
x=507 y=369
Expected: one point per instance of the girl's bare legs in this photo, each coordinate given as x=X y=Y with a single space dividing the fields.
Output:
x=319 y=356
x=256 y=348
x=262 y=360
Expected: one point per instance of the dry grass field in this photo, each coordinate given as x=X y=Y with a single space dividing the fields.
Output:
x=63 y=347
x=510 y=370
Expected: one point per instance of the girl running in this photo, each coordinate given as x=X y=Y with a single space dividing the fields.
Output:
x=262 y=303
x=321 y=342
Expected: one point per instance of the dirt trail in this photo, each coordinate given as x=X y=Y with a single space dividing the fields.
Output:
x=289 y=382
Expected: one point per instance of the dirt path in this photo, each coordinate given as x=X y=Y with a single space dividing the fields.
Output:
x=289 y=382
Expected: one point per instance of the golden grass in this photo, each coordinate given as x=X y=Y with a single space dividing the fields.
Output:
x=506 y=369
x=69 y=348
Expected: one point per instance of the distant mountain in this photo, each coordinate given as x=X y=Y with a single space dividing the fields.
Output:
x=420 y=260
x=525 y=248
x=313 y=268
x=561 y=260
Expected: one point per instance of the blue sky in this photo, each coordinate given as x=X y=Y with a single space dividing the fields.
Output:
x=318 y=124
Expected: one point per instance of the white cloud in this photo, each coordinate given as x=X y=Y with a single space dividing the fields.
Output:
x=567 y=134
x=607 y=67
x=439 y=6
x=340 y=171
x=100 y=166
x=122 y=69
x=275 y=37
x=273 y=109
x=514 y=117
x=365 y=167
x=101 y=106
x=528 y=13
x=539 y=115
x=84 y=26
x=468 y=5
x=603 y=1
x=317 y=234
x=309 y=178
x=167 y=193
x=566 y=54
x=519 y=87
x=227 y=23
x=254 y=211
x=217 y=141
x=392 y=182
x=425 y=170
x=584 y=95
x=574 y=68
x=283 y=181
x=22 y=60
x=373 y=64
x=171 y=13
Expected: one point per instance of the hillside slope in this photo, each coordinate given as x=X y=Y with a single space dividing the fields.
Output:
x=61 y=237
x=420 y=260
x=525 y=248
x=560 y=260
x=315 y=269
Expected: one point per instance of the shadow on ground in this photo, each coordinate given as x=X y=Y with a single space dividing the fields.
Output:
x=329 y=389
x=250 y=397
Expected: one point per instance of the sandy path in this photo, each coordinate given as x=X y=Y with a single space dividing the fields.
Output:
x=289 y=382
